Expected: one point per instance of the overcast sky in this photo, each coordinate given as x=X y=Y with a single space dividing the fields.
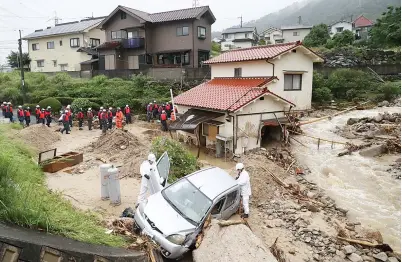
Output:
x=29 y=15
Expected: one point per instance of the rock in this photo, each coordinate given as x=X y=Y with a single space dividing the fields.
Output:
x=383 y=103
x=292 y=251
x=392 y=259
x=343 y=210
x=349 y=135
x=368 y=259
x=378 y=118
x=373 y=235
x=316 y=257
x=311 y=194
x=350 y=228
x=349 y=249
x=307 y=239
x=373 y=151
x=355 y=258
x=270 y=211
x=352 y=121
x=312 y=208
x=381 y=256
x=123 y=147
x=340 y=254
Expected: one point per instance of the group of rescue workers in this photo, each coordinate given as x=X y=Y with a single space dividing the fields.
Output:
x=242 y=178
x=44 y=116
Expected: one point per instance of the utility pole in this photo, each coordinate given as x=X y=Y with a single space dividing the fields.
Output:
x=22 y=70
x=241 y=20
x=55 y=18
x=196 y=3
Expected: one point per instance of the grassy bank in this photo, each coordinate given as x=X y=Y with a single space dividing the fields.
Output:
x=26 y=201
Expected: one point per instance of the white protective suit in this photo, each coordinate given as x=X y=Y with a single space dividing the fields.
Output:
x=245 y=189
x=152 y=184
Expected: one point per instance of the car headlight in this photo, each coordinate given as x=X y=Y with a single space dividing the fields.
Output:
x=176 y=239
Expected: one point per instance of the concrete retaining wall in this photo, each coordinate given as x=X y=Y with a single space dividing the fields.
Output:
x=23 y=245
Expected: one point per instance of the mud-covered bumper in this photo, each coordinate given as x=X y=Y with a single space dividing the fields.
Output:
x=167 y=248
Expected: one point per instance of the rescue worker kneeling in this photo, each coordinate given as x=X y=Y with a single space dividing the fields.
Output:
x=243 y=180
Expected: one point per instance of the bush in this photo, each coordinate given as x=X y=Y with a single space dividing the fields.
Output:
x=342 y=80
x=322 y=95
x=65 y=100
x=182 y=162
x=52 y=102
x=31 y=107
x=341 y=39
x=79 y=103
x=390 y=90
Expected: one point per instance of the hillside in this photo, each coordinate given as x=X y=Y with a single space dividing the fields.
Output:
x=321 y=11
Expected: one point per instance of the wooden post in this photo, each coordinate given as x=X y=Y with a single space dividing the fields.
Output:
x=318 y=144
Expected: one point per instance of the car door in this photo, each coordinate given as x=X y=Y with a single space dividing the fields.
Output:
x=231 y=204
x=163 y=167
x=216 y=210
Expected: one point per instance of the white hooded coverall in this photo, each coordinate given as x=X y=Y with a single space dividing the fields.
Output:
x=144 y=170
x=245 y=189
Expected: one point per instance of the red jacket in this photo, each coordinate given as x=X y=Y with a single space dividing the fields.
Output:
x=167 y=107
x=42 y=115
x=104 y=115
x=37 y=112
x=127 y=110
x=47 y=113
x=20 y=113
x=27 y=113
x=66 y=117
x=110 y=115
x=80 y=115
x=163 y=116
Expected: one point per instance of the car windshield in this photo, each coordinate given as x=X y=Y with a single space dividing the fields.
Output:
x=187 y=200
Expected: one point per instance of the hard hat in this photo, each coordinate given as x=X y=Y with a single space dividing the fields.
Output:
x=43 y=109
x=239 y=166
x=89 y=109
x=118 y=108
x=49 y=107
x=150 y=103
x=163 y=111
x=37 y=105
x=9 y=103
x=126 y=105
x=104 y=110
x=154 y=101
x=110 y=108
x=28 y=107
x=68 y=106
x=4 y=102
x=101 y=107
x=19 y=106
x=66 y=111
x=151 y=157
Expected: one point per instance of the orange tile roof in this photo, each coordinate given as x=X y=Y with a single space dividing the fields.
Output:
x=362 y=21
x=253 y=53
x=225 y=94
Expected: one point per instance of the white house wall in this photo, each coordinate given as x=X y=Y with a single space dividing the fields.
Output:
x=345 y=25
x=62 y=54
x=287 y=62
x=229 y=41
x=289 y=37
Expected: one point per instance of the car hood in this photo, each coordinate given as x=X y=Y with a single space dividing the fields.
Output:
x=165 y=218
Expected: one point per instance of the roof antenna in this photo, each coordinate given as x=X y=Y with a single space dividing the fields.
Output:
x=196 y=3
x=56 y=19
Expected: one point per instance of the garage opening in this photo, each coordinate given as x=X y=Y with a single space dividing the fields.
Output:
x=271 y=136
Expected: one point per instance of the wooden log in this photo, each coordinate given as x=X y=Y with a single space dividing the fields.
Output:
x=280 y=182
x=231 y=223
x=101 y=159
x=277 y=252
x=383 y=247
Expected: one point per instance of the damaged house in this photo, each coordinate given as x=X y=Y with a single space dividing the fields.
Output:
x=247 y=100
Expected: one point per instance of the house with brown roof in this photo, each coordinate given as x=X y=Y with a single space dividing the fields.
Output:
x=137 y=39
x=361 y=27
x=247 y=102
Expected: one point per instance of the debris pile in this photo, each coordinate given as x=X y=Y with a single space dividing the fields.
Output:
x=231 y=243
x=121 y=148
x=40 y=137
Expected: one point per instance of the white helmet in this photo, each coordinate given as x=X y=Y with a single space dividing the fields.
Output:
x=101 y=108
x=104 y=110
x=126 y=105
x=49 y=107
x=239 y=166
x=151 y=158
x=110 y=108
x=65 y=111
x=19 y=106
x=68 y=106
x=89 y=109
x=37 y=105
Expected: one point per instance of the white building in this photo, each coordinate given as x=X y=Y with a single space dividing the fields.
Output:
x=242 y=37
x=247 y=101
x=64 y=46
x=339 y=27
x=272 y=35
x=295 y=33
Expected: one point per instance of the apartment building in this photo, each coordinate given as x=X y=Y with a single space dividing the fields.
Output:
x=295 y=33
x=65 y=46
x=241 y=37
x=136 y=39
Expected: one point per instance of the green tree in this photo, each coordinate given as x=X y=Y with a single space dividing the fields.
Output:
x=216 y=47
x=343 y=80
x=387 y=30
x=13 y=59
x=341 y=39
x=262 y=42
x=318 y=36
x=322 y=95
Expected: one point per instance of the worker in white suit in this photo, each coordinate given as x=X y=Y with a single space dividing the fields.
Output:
x=150 y=179
x=243 y=180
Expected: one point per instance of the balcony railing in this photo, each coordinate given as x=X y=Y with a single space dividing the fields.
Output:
x=132 y=43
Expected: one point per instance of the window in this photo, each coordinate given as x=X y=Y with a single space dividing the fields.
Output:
x=231 y=199
x=61 y=43
x=218 y=207
x=246 y=35
x=182 y=31
x=202 y=32
x=173 y=58
x=295 y=33
x=268 y=38
x=74 y=42
x=54 y=63
x=293 y=82
x=94 y=42
x=35 y=47
x=339 y=29
x=63 y=67
x=40 y=63
x=225 y=36
x=123 y=15
x=50 y=45
x=237 y=72
x=202 y=56
x=121 y=34
x=132 y=34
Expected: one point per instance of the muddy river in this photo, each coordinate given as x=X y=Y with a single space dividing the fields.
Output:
x=357 y=183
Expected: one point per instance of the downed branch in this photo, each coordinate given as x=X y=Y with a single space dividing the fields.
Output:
x=353 y=148
x=277 y=252
x=230 y=222
x=280 y=182
x=382 y=247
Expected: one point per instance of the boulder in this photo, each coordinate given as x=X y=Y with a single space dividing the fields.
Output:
x=352 y=121
x=373 y=151
x=378 y=118
x=383 y=103
x=355 y=258
x=349 y=249
x=392 y=259
x=381 y=256
x=368 y=259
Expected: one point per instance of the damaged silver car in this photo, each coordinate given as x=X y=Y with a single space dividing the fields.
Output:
x=174 y=216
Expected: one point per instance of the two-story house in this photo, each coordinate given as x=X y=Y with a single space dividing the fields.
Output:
x=241 y=37
x=339 y=27
x=295 y=32
x=64 y=46
x=272 y=35
x=246 y=103
x=136 y=39
x=361 y=27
